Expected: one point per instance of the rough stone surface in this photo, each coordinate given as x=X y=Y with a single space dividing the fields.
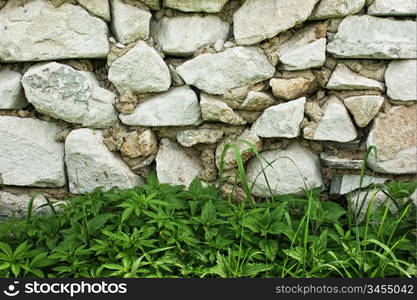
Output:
x=351 y=182
x=290 y=171
x=90 y=164
x=11 y=91
x=139 y=144
x=74 y=96
x=184 y=35
x=400 y=78
x=257 y=20
x=175 y=165
x=29 y=155
x=221 y=72
x=191 y=137
x=281 y=121
x=328 y=9
x=210 y=6
x=360 y=201
x=291 y=88
x=372 y=37
x=334 y=162
x=141 y=70
x=177 y=107
x=214 y=109
x=393 y=8
x=48 y=32
x=345 y=79
x=100 y=8
x=395 y=137
x=364 y=108
x=256 y=101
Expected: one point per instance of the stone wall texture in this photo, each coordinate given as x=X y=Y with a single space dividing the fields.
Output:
x=100 y=93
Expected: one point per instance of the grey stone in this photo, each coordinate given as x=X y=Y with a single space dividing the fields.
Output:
x=210 y=6
x=345 y=79
x=100 y=8
x=364 y=108
x=334 y=162
x=393 y=8
x=328 y=9
x=11 y=91
x=191 y=137
x=401 y=80
x=214 y=109
x=349 y=183
x=360 y=200
x=256 y=101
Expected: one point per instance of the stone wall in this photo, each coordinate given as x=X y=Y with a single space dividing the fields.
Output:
x=101 y=93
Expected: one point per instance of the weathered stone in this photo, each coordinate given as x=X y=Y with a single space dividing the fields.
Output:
x=258 y=20
x=289 y=171
x=221 y=72
x=328 y=9
x=29 y=155
x=360 y=201
x=74 y=96
x=256 y=101
x=127 y=102
x=345 y=79
x=100 y=8
x=209 y=173
x=335 y=162
x=281 y=121
x=210 y=6
x=48 y=33
x=350 y=183
x=177 y=107
x=214 y=109
x=393 y=8
x=114 y=136
x=400 y=78
x=313 y=111
x=90 y=164
x=292 y=88
x=175 y=165
x=364 y=108
x=139 y=144
x=235 y=97
x=191 y=137
x=184 y=35
x=141 y=70
x=394 y=135
x=11 y=91
x=372 y=37
x=152 y=4
x=373 y=69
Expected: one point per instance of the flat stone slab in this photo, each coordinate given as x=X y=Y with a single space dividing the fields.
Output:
x=344 y=184
x=345 y=79
x=335 y=162
x=364 y=108
x=400 y=78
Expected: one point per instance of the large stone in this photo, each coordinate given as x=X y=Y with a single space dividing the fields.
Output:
x=177 y=107
x=175 y=165
x=29 y=154
x=258 y=20
x=210 y=6
x=394 y=135
x=350 y=183
x=141 y=70
x=393 y=8
x=328 y=9
x=37 y=31
x=345 y=79
x=364 y=108
x=74 y=96
x=184 y=35
x=11 y=91
x=289 y=171
x=256 y=101
x=191 y=137
x=334 y=162
x=90 y=164
x=372 y=37
x=281 y=121
x=130 y=22
x=400 y=78
x=232 y=68
x=214 y=109
x=100 y=8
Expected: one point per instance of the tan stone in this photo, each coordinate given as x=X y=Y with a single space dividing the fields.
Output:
x=293 y=88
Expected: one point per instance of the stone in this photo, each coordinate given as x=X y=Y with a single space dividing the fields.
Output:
x=48 y=33
x=152 y=4
x=177 y=107
x=141 y=70
x=236 y=96
x=90 y=164
x=256 y=101
x=289 y=171
x=139 y=144
x=400 y=78
x=292 y=88
x=345 y=79
x=61 y=92
x=191 y=137
x=281 y=121
x=130 y=22
x=100 y=8
x=127 y=102
x=394 y=136
x=235 y=67
x=258 y=20
x=364 y=108
x=184 y=35
x=349 y=183
x=175 y=165
x=214 y=109
x=393 y=8
x=11 y=91
x=373 y=37
x=360 y=201
x=328 y=9
x=334 y=162
x=210 y=6
x=29 y=154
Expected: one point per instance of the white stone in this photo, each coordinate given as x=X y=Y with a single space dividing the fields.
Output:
x=258 y=20
x=401 y=80
x=174 y=165
x=372 y=37
x=364 y=108
x=345 y=79
x=90 y=164
x=129 y=22
x=256 y=101
x=140 y=70
x=393 y=8
x=290 y=171
x=214 y=109
x=235 y=67
x=351 y=182
x=11 y=91
x=210 y=6
x=281 y=121
x=29 y=154
x=360 y=201
x=39 y=31
x=184 y=35
x=100 y=8
x=61 y=92
x=328 y=9
x=177 y=107
x=334 y=162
